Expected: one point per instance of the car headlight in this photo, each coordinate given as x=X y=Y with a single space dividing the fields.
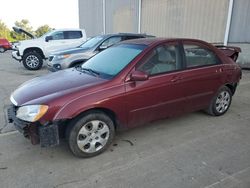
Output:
x=31 y=113
x=62 y=56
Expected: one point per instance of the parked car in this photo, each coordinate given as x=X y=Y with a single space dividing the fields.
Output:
x=75 y=56
x=32 y=52
x=129 y=84
x=4 y=45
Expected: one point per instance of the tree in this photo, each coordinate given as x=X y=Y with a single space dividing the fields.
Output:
x=11 y=35
x=24 y=24
x=42 y=30
x=4 y=31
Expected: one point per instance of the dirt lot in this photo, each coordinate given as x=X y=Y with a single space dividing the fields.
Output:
x=191 y=151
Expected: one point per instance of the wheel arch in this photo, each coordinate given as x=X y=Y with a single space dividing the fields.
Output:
x=232 y=87
x=110 y=113
x=34 y=49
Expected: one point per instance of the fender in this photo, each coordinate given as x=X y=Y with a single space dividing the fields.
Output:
x=101 y=99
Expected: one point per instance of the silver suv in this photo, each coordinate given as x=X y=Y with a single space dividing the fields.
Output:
x=73 y=57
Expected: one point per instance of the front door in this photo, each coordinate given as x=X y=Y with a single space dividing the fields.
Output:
x=162 y=94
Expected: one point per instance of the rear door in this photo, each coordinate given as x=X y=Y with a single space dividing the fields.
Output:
x=162 y=94
x=203 y=75
x=73 y=38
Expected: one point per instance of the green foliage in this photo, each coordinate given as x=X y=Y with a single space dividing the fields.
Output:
x=11 y=35
x=42 y=30
x=4 y=31
x=24 y=24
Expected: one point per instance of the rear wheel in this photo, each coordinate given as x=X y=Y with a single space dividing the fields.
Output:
x=32 y=60
x=221 y=102
x=2 y=50
x=90 y=135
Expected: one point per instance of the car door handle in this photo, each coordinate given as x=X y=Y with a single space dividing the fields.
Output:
x=176 y=79
x=219 y=70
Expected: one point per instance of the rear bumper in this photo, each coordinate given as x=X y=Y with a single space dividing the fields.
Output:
x=16 y=55
x=47 y=135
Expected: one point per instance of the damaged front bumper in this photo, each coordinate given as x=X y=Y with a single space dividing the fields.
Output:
x=47 y=135
x=16 y=55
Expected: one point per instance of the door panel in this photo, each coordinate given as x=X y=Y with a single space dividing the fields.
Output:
x=203 y=75
x=153 y=99
x=62 y=40
x=200 y=86
x=162 y=94
x=58 y=42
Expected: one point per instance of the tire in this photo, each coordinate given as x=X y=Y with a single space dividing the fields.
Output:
x=220 y=102
x=2 y=50
x=90 y=134
x=32 y=60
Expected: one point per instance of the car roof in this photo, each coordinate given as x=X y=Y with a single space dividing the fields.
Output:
x=125 y=34
x=68 y=29
x=152 y=41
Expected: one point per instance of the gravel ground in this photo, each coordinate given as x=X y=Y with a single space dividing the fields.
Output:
x=191 y=151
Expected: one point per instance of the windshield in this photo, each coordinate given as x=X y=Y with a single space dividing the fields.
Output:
x=110 y=62
x=92 y=42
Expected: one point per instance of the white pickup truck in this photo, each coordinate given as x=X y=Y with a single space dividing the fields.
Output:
x=32 y=52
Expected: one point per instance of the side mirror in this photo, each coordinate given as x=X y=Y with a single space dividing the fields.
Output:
x=103 y=47
x=48 y=38
x=138 y=76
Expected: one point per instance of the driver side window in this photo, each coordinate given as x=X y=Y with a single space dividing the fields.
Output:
x=113 y=40
x=58 y=35
x=162 y=59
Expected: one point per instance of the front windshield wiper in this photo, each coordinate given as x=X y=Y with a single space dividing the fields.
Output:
x=88 y=70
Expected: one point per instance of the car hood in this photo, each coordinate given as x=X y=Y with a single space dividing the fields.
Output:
x=21 y=30
x=30 y=42
x=44 y=88
x=70 y=51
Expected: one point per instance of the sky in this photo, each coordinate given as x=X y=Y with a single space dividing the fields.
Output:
x=56 y=13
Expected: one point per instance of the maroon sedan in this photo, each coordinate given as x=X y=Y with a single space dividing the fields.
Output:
x=4 y=45
x=124 y=86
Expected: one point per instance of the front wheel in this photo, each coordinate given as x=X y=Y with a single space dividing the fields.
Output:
x=221 y=102
x=90 y=135
x=32 y=60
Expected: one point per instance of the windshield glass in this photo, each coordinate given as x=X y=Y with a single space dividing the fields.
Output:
x=92 y=42
x=110 y=62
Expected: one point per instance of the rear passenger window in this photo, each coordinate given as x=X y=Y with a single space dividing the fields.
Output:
x=73 y=34
x=197 y=56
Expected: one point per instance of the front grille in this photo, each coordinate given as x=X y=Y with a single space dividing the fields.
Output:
x=11 y=112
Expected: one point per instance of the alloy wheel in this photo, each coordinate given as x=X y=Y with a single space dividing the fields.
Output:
x=32 y=61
